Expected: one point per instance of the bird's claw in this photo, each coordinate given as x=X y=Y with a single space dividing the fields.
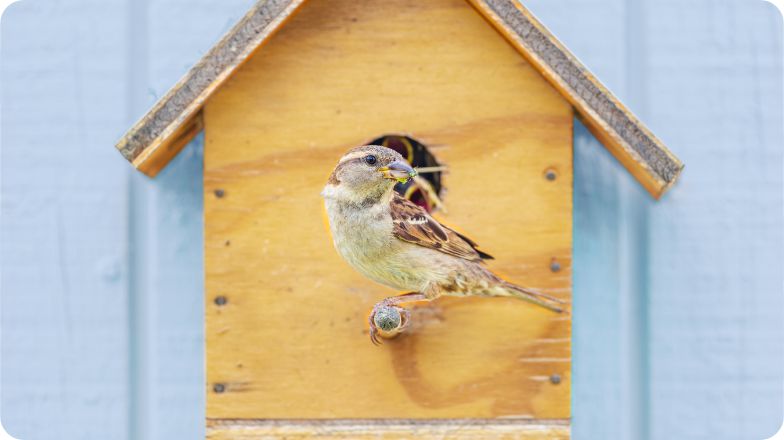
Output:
x=374 y=334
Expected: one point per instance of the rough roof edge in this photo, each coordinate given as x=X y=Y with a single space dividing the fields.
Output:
x=174 y=119
x=645 y=156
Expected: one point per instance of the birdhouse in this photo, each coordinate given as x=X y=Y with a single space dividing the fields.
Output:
x=478 y=95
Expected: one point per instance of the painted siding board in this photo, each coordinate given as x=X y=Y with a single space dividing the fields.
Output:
x=596 y=348
x=715 y=244
x=64 y=222
x=706 y=77
x=179 y=349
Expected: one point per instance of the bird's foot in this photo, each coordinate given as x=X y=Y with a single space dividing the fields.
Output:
x=387 y=320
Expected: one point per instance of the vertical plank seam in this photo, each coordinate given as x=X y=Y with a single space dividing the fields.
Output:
x=634 y=247
x=141 y=404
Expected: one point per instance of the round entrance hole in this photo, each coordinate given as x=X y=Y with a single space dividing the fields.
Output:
x=425 y=191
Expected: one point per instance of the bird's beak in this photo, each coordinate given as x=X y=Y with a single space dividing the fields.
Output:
x=398 y=170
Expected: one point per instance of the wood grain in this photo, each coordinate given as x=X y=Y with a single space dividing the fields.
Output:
x=291 y=340
x=467 y=429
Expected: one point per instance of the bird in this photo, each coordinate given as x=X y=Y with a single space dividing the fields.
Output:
x=395 y=242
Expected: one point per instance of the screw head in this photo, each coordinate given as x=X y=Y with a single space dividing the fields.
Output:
x=219 y=193
x=221 y=300
x=550 y=174
x=219 y=388
x=555 y=379
x=555 y=266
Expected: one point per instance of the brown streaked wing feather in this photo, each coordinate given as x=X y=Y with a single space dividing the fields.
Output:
x=414 y=225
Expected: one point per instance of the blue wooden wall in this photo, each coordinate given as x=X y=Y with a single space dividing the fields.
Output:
x=678 y=328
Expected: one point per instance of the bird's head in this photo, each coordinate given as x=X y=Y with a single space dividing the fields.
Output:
x=366 y=172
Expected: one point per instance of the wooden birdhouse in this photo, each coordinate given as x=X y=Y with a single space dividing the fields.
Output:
x=478 y=92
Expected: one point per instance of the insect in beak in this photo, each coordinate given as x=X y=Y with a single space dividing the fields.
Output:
x=398 y=170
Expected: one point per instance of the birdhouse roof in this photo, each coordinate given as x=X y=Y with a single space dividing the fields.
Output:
x=176 y=118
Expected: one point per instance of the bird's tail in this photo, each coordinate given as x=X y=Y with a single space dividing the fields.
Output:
x=505 y=288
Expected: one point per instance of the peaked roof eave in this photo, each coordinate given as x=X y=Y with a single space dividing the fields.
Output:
x=176 y=118
x=628 y=139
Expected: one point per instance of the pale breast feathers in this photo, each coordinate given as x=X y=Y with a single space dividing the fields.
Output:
x=412 y=224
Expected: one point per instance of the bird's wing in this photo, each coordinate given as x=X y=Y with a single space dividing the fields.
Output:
x=414 y=225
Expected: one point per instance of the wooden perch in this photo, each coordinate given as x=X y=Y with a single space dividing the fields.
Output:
x=389 y=322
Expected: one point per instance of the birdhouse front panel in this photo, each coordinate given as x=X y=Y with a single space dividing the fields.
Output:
x=286 y=317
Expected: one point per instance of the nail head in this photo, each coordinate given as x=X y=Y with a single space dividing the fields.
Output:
x=550 y=174
x=219 y=193
x=219 y=388
x=221 y=300
x=555 y=379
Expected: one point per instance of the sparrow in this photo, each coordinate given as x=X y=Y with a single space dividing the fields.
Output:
x=398 y=244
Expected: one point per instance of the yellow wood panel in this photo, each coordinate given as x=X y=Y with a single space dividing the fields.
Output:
x=291 y=340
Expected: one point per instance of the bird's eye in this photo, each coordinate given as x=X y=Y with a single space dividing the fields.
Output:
x=370 y=159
